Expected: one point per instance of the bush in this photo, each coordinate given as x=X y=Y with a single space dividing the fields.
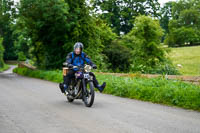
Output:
x=1 y=53
x=163 y=68
x=148 y=56
x=55 y=76
x=6 y=67
x=21 y=56
x=119 y=56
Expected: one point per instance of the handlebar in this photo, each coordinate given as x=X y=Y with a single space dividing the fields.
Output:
x=74 y=67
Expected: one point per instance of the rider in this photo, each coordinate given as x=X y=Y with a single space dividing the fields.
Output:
x=78 y=58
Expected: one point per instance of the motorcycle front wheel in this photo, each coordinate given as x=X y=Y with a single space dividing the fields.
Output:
x=90 y=94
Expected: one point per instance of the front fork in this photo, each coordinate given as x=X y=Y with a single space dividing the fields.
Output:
x=84 y=87
x=85 y=90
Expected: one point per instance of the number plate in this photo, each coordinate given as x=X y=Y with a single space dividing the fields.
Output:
x=86 y=76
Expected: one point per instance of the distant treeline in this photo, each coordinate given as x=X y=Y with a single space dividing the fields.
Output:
x=119 y=35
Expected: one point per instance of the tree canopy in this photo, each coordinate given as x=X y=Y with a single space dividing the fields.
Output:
x=184 y=26
x=120 y=14
x=51 y=27
x=7 y=18
x=119 y=35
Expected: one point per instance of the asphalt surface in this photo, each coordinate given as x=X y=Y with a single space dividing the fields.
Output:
x=30 y=105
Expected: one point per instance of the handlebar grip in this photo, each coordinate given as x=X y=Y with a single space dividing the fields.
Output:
x=75 y=66
x=65 y=64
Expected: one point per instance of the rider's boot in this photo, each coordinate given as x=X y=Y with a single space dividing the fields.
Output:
x=101 y=87
x=63 y=87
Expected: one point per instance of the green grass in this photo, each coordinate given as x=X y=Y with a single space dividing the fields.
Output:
x=156 y=90
x=189 y=58
x=4 y=68
x=55 y=76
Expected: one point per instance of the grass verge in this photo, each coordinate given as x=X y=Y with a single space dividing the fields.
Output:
x=156 y=90
x=6 y=67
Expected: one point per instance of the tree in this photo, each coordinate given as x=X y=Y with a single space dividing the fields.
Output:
x=22 y=43
x=48 y=29
x=44 y=24
x=185 y=26
x=106 y=37
x=120 y=14
x=7 y=17
x=145 y=39
x=166 y=15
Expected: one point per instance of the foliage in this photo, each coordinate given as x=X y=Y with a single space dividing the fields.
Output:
x=1 y=53
x=120 y=14
x=55 y=76
x=157 y=90
x=184 y=26
x=105 y=37
x=21 y=56
x=40 y=21
x=182 y=36
x=166 y=15
x=22 y=42
x=7 y=18
x=119 y=56
x=165 y=67
x=5 y=67
x=144 y=39
x=47 y=30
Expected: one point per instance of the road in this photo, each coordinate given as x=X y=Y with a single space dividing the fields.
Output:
x=30 y=105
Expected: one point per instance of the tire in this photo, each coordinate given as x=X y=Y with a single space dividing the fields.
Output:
x=89 y=99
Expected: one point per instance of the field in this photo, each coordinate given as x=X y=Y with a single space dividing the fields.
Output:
x=188 y=58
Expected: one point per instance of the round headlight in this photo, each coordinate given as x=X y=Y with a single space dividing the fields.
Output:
x=88 y=68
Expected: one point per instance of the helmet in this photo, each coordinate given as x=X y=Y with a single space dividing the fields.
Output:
x=78 y=45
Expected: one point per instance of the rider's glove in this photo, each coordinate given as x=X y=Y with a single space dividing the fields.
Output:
x=70 y=65
x=94 y=66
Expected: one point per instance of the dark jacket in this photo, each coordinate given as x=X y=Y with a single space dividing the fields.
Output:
x=78 y=60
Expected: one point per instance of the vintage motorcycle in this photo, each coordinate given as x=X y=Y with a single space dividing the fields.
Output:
x=81 y=86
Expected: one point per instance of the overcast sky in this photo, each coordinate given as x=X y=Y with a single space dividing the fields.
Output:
x=164 y=1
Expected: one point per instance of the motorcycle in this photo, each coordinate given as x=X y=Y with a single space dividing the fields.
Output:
x=81 y=86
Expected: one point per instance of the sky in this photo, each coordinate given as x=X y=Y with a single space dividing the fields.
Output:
x=164 y=1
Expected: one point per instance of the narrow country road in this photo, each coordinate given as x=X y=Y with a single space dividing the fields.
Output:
x=30 y=105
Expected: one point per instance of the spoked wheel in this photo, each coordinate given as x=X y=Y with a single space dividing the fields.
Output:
x=89 y=97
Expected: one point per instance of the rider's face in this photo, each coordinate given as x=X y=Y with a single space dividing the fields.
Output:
x=77 y=51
